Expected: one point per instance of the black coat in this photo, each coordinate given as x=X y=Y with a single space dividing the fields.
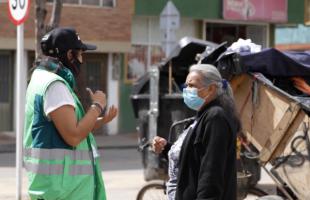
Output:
x=207 y=165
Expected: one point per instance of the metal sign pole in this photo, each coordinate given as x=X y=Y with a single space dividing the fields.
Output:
x=167 y=46
x=19 y=113
x=18 y=12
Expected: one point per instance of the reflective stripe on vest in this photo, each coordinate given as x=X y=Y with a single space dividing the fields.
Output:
x=58 y=169
x=57 y=154
x=41 y=168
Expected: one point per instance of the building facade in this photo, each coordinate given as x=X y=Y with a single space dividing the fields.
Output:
x=129 y=41
x=214 y=20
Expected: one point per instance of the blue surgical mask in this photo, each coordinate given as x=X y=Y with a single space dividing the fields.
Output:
x=191 y=98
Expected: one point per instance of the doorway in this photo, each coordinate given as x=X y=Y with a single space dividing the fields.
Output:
x=94 y=76
x=221 y=32
x=6 y=91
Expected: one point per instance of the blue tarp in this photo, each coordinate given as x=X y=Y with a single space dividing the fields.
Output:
x=276 y=63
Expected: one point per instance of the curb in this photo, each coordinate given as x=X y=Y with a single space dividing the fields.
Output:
x=10 y=148
x=119 y=147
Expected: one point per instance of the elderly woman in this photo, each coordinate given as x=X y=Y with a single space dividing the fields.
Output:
x=202 y=162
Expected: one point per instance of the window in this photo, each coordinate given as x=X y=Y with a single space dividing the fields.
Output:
x=102 y=3
x=91 y=2
x=136 y=61
x=67 y=1
x=230 y=33
x=108 y=3
x=71 y=1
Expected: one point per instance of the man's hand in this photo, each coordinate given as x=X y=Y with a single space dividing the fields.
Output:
x=98 y=97
x=110 y=115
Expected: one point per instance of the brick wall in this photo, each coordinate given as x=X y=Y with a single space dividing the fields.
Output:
x=91 y=22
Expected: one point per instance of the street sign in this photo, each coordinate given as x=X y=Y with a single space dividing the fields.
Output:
x=169 y=38
x=18 y=10
x=169 y=22
x=170 y=17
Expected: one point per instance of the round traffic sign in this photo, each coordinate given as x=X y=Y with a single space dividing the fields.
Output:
x=18 y=10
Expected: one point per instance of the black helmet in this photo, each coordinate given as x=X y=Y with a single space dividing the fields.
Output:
x=60 y=40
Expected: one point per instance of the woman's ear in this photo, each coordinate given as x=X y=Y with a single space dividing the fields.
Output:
x=205 y=92
x=69 y=54
x=213 y=89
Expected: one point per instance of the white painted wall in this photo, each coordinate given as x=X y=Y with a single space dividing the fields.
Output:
x=112 y=94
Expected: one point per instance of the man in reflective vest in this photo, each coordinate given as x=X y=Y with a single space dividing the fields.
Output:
x=60 y=152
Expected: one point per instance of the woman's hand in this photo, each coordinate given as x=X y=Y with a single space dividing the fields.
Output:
x=158 y=144
x=98 y=97
x=110 y=115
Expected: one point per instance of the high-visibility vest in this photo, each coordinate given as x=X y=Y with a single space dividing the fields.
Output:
x=55 y=169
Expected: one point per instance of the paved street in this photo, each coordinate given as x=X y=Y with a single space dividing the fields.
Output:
x=122 y=172
x=121 y=163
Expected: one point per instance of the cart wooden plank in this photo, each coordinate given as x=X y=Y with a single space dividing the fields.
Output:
x=266 y=115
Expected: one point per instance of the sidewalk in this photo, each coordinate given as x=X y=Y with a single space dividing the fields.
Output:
x=119 y=141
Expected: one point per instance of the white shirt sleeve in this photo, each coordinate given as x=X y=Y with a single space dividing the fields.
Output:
x=57 y=95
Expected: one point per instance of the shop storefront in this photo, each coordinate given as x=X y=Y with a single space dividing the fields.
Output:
x=250 y=19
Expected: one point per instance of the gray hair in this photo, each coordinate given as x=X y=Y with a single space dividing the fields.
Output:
x=210 y=75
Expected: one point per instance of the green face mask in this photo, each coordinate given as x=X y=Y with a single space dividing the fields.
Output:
x=53 y=65
x=66 y=74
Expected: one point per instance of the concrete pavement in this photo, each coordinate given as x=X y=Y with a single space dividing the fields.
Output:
x=120 y=161
x=122 y=174
x=120 y=184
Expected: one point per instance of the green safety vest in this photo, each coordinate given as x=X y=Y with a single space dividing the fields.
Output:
x=55 y=169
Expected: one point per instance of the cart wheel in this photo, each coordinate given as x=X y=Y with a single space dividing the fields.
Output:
x=257 y=192
x=270 y=197
x=154 y=190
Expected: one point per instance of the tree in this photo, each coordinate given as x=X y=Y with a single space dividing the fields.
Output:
x=40 y=27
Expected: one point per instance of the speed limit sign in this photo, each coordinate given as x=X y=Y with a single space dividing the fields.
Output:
x=18 y=10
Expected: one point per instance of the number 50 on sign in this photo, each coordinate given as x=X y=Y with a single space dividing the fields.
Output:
x=18 y=10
